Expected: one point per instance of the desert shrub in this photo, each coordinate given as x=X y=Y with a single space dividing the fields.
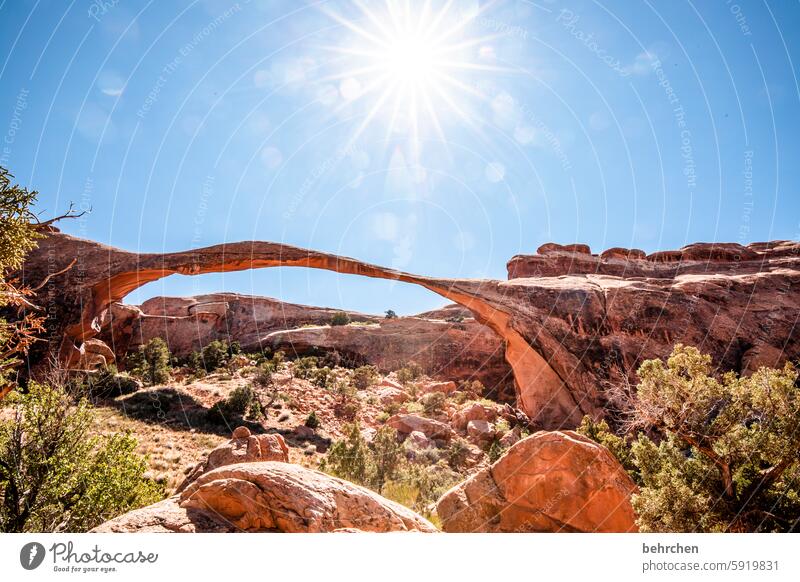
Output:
x=601 y=433
x=312 y=421
x=108 y=383
x=364 y=377
x=433 y=403
x=234 y=406
x=457 y=453
x=305 y=367
x=408 y=373
x=340 y=318
x=215 y=355
x=323 y=378
x=383 y=416
x=421 y=485
x=151 y=362
x=56 y=476
x=386 y=456
x=495 y=451
x=474 y=389
x=390 y=314
x=348 y=458
x=347 y=406
x=264 y=376
x=724 y=454
x=278 y=360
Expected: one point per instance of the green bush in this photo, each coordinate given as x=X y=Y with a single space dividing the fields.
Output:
x=215 y=355
x=151 y=362
x=349 y=457
x=340 y=318
x=725 y=451
x=323 y=378
x=55 y=476
x=312 y=421
x=433 y=403
x=234 y=407
x=390 y=314
x=305 y=367
x=364 y=377
x=408 y=373
x=108 y=383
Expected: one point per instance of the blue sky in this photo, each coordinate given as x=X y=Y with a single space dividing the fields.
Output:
x=186 y=124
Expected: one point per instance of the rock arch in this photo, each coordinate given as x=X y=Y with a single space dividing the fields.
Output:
x=103 y=275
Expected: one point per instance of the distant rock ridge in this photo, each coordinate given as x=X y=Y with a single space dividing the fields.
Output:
x=442 y=342
x=554 y=260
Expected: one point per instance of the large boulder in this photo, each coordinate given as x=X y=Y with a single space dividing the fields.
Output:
x=243 y=447
x=549 y=482
x=405 y=424
x=270 y=497
x=472 y=411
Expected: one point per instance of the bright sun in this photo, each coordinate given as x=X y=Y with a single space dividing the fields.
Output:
x=406 y=66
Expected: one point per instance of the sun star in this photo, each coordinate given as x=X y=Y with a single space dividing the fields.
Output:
x=406 y=67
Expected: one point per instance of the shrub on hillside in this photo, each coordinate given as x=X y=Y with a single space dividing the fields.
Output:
x=364 y=377
x=55 y=476
x=151 y=362
x=433 y=403
x=340 y=318
x=234 y=407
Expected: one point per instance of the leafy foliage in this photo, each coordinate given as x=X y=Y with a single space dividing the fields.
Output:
x=364 y=377
x=725 y=451
x=151 y=362
x=55 y=477
x=239 y=401
x=18 y=236
x=340 y=318
x=390 y=314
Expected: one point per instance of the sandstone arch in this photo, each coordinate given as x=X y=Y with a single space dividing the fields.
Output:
x=104 y=275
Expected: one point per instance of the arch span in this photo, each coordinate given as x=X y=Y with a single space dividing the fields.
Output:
x=104 y=275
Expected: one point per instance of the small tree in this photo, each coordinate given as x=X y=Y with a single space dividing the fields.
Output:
x=348 y=458
x=17 y=237
x=386 y=457
x=215 y=355
x=54 y=476
x=151 y=362
x=390 y=314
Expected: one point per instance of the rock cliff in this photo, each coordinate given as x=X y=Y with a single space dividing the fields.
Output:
x=575 y=325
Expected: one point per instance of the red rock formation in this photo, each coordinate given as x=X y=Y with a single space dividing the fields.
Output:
x=269 y=497
x=457 y=350
x=548 y=482
x=571 y=335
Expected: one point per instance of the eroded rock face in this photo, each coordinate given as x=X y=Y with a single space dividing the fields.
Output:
x=548 y=482
x=575 y=325
x=270 y=497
